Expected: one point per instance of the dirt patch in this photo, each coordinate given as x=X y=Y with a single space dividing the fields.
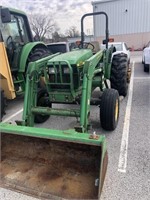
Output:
x=46 y=167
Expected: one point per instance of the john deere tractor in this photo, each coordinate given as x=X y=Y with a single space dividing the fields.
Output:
x=17 y=49
x=72 y=77
x=68 y=164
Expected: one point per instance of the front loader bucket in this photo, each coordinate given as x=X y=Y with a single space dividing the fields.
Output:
x=52 y=164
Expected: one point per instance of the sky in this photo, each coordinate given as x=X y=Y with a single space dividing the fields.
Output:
x=66 y=13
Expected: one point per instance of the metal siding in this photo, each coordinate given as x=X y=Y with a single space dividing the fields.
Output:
x=135 y=20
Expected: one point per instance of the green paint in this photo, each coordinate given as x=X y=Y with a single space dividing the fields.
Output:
x=63 y=135
x=26 y=50
x=74 y=57
x=57 y=112
x=66 y=82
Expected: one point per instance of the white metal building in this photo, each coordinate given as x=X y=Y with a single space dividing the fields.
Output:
x=129 y=21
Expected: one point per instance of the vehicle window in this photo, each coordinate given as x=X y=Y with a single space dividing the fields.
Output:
x=125 y=46
x=148 y=44
x=15 y=30
x=118 y=47
x=72 y=46
x=102 y=47
x=55 y=48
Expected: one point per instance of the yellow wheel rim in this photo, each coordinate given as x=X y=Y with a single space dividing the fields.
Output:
x=116 y=109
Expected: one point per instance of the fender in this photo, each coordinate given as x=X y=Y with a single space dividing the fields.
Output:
x=25 y=53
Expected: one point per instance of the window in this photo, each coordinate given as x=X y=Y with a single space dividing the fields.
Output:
x=118 y=47
x=55 y=48
x=15 y=31
x=125 y=46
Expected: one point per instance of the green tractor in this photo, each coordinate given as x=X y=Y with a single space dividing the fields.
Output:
x=18 y=48
x=68 y=164
x=71 y=78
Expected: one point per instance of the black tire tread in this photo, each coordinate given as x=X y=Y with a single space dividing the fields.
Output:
x=107 y=109
x=118 y=76
x=37 y=53
x=41 y=118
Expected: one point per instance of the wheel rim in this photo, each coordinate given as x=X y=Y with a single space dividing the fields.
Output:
x=116 y=110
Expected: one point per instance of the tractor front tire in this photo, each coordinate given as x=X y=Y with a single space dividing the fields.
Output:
x=118 y=76
x=109 y=109
x=42 y=100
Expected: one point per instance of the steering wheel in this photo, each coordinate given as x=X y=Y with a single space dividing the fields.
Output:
x=10 y=47
x=87 y=45
x=10 y=43
x=90 y=46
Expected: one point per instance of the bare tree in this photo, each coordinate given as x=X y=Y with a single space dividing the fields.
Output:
x=56 y=36
x=42 y=25
x=72 y=32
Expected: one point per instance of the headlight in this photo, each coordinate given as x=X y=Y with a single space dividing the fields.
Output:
x=51 y=70
x=66 y=70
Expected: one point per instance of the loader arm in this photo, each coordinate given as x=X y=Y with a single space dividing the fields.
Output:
x=91 y=70
x=34 y=73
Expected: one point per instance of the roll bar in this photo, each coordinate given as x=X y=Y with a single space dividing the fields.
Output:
x=82 y=27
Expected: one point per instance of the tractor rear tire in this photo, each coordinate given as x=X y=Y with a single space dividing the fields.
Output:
x=37 y=53
x=109 y=109
x=43 y=102
x=2 y=104
x=118 y=76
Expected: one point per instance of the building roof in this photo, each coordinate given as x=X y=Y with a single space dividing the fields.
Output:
x=102 y=1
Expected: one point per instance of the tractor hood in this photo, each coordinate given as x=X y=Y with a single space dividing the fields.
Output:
x=74 y=57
